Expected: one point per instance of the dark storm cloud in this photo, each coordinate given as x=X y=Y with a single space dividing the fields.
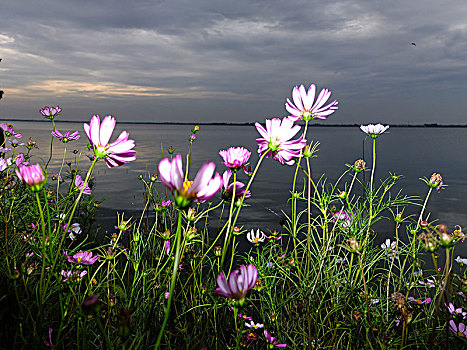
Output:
x=234 y=60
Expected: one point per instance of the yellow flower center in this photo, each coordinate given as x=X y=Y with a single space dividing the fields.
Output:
x=186 y=185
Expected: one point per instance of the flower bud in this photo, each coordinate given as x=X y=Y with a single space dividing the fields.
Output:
x=446 y=240
x=166 y=235
x=171 y=150
x=191 y=234
x=15 y=274
x=191 y=214
x=359 y=165
x=218 y=250
x=90 y=303
x=424 y=224
x=429 y=241
x=153 y=178
x=307 y=152
x=399 y=218
x=33 y=176
x=342 y=195
x=436 y=181
x=354 y=245
x=463 y=285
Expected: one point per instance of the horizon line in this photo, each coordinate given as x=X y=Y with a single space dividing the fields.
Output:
x=403 y=125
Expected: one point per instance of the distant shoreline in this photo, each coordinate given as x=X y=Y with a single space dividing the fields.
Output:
x=426 y=125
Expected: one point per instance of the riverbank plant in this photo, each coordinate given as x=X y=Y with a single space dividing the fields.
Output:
x=175 y=277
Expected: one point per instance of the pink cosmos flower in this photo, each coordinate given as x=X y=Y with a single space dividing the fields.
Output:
x=456 y=312
x=20 y=160
x=9 y=131
x=50 y=112
x=235 y=157
x=459 y=330
x=49 y=343
x=305 y=107
x=201 y=189
x=83 y=258
x=32 y=175
x=374 y=130
x=116 y=153
x=228 y=188
x=67 y=137
x=344 y=218
x=4 y=163
x=275 y=140
x=15 y=143
x=165 y=204
x=273 y=340
x=79 y=182
x=240 y=282
x=77 y=275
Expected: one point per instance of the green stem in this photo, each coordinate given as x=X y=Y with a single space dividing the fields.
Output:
x=41 y=283
x=173 y=280
x=60 y=172
x=51 y=147
x=227 y=233
x=243 y=197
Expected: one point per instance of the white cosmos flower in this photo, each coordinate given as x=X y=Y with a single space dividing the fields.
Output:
x=255 y=238
x=374 y=130
x=254 y=325
x=462 y=261
x=389 y=247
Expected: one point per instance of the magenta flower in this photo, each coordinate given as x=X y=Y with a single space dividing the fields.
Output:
x=49 y=343
x=83 y=258
x=228 y=188
x=306 y=108
x=201 y=189
x=240 y=282
x=67 y=137
x=50 y=112
x=79 y=183
x=459 y=330
x=32 y=175
x=116 y=153
x=276 y=140
x=9 y=131
x=165 y=204
x=235 y=157
x=456 y=312
x=374 y=130
x=273 y=340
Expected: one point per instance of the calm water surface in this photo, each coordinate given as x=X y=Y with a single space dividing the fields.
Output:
x=411 y=152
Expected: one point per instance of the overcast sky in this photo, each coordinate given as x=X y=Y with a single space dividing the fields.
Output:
x=234 y=61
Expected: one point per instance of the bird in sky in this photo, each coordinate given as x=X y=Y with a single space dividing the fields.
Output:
x=414 y=44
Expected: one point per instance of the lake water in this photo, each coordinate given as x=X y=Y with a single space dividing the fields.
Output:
x=411 y=152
